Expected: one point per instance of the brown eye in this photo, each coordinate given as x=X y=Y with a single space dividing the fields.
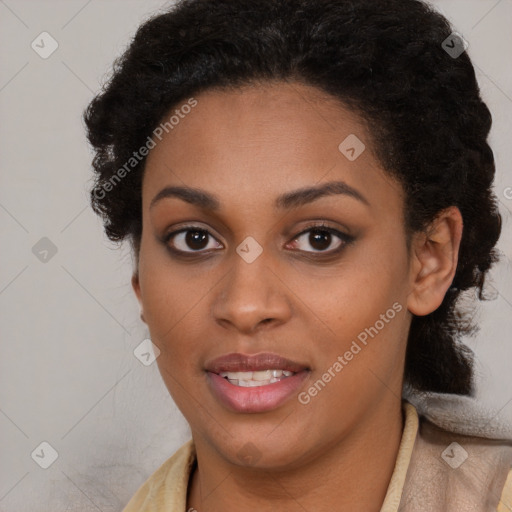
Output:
x=319 y=240
x=196 y=240
x=190 y=240
x=322 y=239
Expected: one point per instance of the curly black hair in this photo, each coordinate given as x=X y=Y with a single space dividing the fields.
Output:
x=388 y=61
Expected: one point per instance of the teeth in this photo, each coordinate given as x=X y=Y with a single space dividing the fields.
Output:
x=262 y=375
x=249 y=383
x=257 y=378
x=243 y=375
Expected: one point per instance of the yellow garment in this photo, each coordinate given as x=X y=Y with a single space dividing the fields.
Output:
x=166 y=489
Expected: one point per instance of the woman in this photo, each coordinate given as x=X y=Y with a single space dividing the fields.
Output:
x=307 y=188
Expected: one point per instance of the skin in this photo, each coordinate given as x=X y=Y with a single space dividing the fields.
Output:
x=248 y=146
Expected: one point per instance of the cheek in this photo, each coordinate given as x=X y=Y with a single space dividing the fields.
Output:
x=173 y=310
x=360 y=290
x=364 y=301
x=169 y=291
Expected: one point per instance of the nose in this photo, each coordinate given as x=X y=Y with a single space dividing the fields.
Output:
x=252 y=297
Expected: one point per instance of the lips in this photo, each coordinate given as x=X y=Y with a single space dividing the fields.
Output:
x=237 y=362
x=254 y=397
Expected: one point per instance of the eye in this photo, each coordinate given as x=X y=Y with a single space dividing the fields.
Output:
x=193 y=239
x=190 y=239
x=321 y=238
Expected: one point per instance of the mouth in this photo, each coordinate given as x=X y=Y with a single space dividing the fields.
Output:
x=254 y=383
x=256 y=379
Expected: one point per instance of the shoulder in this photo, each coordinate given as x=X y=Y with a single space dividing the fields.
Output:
x=469 y=470
x=166 y=488
x=505 y=504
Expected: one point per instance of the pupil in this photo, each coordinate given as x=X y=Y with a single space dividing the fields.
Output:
x=320 y=239
x=196 y=239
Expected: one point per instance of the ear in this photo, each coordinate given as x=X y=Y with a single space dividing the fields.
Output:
x=434 y=261
x=136 y=289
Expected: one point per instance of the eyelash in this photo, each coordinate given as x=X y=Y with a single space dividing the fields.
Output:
x=321 y=227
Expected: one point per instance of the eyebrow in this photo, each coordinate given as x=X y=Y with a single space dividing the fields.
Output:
x=289 y=200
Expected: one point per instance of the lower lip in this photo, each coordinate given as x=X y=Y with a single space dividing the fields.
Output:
x=255 y=399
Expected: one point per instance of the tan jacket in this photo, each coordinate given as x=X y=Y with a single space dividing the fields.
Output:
x=435 y=471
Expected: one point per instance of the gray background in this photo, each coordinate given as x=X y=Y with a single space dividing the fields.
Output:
x=69 y=325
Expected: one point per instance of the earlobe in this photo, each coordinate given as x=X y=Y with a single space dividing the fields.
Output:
x=435 y=256
x=136 y=285
x=136 y=289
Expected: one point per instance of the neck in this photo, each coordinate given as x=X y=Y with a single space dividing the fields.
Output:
x=352 y=474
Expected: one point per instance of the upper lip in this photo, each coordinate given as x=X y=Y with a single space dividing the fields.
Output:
x=237 y=362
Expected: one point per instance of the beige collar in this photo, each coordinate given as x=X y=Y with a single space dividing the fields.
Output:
x=421 y=480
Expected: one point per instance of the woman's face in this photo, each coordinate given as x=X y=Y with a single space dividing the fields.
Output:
x=255 y=274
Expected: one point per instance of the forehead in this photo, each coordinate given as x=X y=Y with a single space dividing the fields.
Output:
x=255 y=142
